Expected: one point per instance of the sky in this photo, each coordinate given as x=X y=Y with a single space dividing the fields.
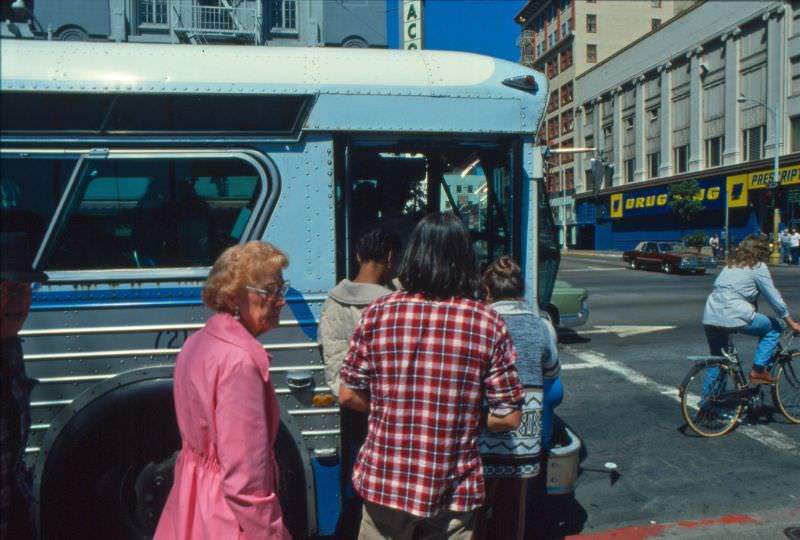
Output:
x=479 y=26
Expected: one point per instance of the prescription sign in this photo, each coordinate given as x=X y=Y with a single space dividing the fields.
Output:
x=761 y=179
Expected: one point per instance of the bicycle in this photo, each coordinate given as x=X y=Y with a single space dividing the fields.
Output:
x=716 y=390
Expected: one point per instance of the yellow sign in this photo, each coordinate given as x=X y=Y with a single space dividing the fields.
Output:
x=737 y=190
x=616 y=205
x=760 y=179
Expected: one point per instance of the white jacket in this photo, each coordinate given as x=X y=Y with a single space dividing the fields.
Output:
x=340 y=314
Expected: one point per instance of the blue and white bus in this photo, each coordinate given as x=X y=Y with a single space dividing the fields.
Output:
x=134 y=166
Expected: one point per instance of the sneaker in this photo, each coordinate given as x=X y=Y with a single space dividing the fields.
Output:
x=762 y=377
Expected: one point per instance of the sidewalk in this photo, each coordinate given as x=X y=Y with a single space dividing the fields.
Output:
x=778 y=524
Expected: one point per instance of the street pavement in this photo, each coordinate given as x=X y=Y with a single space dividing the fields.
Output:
x=642 y=473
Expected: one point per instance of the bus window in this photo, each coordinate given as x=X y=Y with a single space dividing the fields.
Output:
x=395 y=185
x=30 y=189
x=154 y=213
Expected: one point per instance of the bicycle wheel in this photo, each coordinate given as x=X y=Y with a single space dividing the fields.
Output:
x=711 y=399
x=786 y=392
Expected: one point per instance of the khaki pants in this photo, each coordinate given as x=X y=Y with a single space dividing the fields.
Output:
x=383 y=523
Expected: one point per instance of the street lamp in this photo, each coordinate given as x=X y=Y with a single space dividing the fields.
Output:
x=774 y=257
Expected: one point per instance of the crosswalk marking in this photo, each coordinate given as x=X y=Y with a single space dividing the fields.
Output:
x=760 y=433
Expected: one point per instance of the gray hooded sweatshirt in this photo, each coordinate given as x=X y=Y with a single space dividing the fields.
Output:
x=340 y=315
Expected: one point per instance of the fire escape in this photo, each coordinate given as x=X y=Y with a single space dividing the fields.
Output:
x=205 y=21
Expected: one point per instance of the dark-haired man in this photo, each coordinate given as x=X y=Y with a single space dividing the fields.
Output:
x=16 y=277
x=376 y=252
x=422 y=361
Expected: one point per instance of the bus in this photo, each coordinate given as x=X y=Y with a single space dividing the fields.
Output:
x=132 y=166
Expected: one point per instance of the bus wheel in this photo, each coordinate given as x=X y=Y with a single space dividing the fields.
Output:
x=117 y=449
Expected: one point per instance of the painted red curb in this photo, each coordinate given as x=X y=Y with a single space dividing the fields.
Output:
x=645 y=532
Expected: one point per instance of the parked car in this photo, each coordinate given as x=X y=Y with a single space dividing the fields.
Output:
x=669 y=257
x=568 y=305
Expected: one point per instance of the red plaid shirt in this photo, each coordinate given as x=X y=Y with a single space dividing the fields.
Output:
x=428 y=365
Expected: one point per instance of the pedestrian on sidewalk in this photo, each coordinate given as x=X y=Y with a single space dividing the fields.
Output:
x=376 y=252
x=794 y=246
x=422 y=361
x=713 y=242
x=512 y=459
x=16 y=278
x=226 y=474
x=785 y=237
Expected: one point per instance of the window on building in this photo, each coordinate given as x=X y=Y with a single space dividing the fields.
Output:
x=714 y=151
x=655 y=23
x=652 y=114
x=566 y=121
x=539 y=49
x=284 y=14
x=681 y=158
x=591 y=53
x=565 y=27
x=552 y=69
x=153 y=12
x=552 y=103
x=566 y=93
x=653 y=163
x=591 y=23
x=569 y=179
x=566 y=58
x=655 y=3
x=552 y=128
x=628 y=123
x=630 y=165
x=795 y=140
x=794 y=69
x=753 y=143
x=568 y=157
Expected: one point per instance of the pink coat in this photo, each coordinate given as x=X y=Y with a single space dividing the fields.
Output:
x=226 y=476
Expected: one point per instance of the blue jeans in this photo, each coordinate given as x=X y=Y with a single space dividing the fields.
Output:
x=553 y=393
x=766 y=329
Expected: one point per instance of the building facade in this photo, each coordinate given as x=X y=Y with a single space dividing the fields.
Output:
x=342 y=23
x=700 y=98
x=563 y=39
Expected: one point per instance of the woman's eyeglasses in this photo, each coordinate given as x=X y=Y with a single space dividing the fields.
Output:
x=270 y=291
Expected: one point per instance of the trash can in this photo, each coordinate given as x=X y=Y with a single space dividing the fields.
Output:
x=562 y=466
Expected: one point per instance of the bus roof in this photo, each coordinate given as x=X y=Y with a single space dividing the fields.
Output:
x=355 y=89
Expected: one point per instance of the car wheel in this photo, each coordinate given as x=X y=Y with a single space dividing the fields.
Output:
x=667 y=268
x=72 y=34
x=633 y=265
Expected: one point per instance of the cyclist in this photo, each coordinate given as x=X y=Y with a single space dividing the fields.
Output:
x=731 y=306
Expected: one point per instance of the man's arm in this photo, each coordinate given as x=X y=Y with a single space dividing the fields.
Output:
x=358 y=400
x=504 y=423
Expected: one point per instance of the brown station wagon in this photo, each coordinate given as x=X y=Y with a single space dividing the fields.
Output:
x=669 y=257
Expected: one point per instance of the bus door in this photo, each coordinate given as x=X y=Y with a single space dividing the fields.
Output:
x=394 y=184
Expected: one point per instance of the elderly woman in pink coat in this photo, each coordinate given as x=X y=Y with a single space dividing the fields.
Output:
x=226 y=476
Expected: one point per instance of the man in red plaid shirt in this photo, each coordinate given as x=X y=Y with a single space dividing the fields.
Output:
x=422 y=361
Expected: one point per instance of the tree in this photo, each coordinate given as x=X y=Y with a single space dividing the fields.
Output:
x=685 y=202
